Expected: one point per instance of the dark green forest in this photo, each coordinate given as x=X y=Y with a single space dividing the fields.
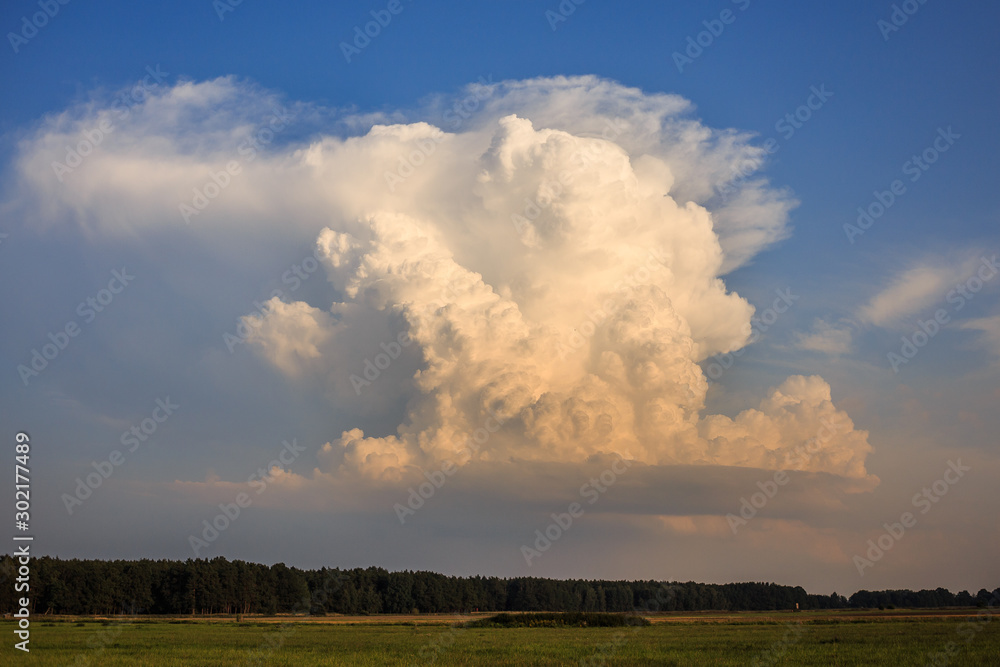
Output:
x=220 y=586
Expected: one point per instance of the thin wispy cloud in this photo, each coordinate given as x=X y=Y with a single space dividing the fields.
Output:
x=914 y=290
x=989 y=333
x=826 y=338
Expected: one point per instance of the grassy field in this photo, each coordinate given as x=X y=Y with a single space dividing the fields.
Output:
x=895 y=638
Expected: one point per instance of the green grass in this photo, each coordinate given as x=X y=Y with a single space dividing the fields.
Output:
x=559 y=620
x=718 y=642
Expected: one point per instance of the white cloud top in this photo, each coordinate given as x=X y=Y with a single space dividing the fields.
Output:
x=556 y=257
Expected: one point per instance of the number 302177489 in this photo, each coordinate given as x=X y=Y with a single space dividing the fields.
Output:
x=22 y=483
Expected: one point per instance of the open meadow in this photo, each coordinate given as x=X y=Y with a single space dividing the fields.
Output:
x=891 y=637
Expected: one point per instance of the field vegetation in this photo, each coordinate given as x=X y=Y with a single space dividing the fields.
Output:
x=890 y=637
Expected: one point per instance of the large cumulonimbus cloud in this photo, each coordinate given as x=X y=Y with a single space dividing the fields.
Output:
x=553 y=248
x=561 y=283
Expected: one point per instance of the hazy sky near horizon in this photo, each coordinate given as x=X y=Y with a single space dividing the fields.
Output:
x=519 y=288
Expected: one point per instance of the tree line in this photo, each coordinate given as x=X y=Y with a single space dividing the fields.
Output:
x=221 y=586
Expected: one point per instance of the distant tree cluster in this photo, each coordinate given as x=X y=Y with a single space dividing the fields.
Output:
x=221 y=586
x=939 y=597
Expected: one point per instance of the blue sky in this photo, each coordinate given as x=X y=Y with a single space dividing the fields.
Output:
x=887 y=95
